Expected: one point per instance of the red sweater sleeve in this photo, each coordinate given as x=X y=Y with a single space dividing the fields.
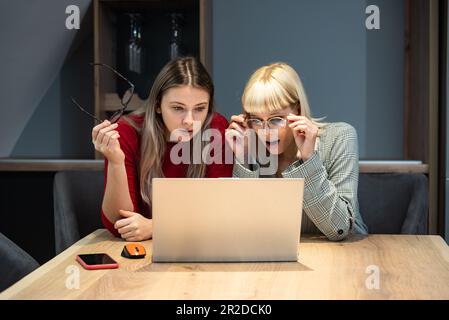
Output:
x=129 y=143
x=222 y=170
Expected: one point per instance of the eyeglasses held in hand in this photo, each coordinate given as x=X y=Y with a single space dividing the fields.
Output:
x=126 y=98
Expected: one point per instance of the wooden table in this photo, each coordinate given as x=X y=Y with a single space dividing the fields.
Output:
x=410 y=267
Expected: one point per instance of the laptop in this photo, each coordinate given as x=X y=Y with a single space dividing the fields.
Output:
x=226 y=219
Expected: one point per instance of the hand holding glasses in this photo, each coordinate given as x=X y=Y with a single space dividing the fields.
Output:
x=126 y=98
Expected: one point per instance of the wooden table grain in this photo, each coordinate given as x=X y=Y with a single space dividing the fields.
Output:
x=370 y=267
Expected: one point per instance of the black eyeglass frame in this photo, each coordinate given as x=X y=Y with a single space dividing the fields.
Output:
x=117 y=115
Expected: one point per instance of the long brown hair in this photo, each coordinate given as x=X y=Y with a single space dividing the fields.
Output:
x=178 y=72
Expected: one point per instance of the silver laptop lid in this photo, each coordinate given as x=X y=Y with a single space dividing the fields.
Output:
x=226 y=219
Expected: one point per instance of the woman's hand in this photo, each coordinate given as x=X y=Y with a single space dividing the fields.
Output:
x=236 y=136
x=134 y=226
x=305 y=133
x=105 y=139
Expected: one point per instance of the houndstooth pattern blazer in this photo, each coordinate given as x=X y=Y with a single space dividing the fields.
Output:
x=331 y=176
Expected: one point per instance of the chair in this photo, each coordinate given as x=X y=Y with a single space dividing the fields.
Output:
x=77 y=205
x=15 y=263
x=394 y=203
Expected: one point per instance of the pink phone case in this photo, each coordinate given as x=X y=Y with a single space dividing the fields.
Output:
x=96 y=266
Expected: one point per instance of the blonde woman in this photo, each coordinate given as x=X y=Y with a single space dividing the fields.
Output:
x=324 y=154
x=138 y=147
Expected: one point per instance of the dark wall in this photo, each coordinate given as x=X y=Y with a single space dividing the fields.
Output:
x=350 y=73
x=43 y=64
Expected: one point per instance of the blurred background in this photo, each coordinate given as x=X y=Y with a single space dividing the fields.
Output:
x=389 y=83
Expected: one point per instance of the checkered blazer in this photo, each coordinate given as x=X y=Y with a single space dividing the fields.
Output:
x=331 y=176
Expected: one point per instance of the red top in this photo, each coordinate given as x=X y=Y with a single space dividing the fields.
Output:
x=130 y=144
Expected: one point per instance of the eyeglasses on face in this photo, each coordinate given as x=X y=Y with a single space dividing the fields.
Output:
x=126 y=98
x=273 y=123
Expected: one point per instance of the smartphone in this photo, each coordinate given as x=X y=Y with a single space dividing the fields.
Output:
x=95 y=261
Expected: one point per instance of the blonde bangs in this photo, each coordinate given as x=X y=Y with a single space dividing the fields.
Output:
x=275 y=87
x=265 y=92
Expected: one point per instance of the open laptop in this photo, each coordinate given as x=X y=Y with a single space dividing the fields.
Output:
x=226 y=220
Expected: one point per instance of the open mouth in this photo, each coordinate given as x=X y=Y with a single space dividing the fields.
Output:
x=186 y=131
x=183 y=134
x=273 y=143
